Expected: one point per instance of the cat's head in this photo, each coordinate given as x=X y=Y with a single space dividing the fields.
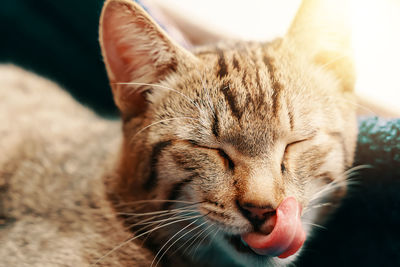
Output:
x=248 y=135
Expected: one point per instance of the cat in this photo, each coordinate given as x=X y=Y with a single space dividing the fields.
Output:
x=228 y=153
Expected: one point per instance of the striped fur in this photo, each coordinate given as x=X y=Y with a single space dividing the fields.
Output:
x=204 y=133
x=251 y=123
x=234 y=123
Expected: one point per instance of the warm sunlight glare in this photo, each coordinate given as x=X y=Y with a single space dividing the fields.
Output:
x=376 y=35
x=376 y=41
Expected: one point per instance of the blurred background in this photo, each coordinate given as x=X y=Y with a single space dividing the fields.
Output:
x=58 y=39
x=376 y=36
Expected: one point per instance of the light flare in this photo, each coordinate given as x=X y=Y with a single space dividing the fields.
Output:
x=376 y=44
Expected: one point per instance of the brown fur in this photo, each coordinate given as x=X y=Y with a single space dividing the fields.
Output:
x=224 y=126
x=52 y=199
x=245 y=98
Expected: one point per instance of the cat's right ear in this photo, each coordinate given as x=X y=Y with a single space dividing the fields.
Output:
x=135 y=50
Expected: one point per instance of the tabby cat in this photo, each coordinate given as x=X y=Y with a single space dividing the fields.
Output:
x=228 y=154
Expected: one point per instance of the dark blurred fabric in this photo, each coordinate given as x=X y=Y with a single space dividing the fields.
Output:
x=59 y=40
x=365 y=231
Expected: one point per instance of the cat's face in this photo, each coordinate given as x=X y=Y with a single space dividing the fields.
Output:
x=234 y=131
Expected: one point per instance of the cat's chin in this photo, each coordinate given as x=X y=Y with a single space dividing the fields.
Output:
x=243 y=254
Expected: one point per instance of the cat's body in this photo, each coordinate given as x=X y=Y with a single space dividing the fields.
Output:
x=217 y=145
x=55 y=152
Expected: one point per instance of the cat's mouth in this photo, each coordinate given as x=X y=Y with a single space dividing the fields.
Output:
x=282 y=236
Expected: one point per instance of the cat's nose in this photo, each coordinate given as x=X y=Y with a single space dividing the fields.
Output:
x=257 y=215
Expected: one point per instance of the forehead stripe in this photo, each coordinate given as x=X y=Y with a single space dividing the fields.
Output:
x=276 y=85
x=215 y=125
x=222 y=68
x=235 y=63
x=291 y=118
x=230 y=98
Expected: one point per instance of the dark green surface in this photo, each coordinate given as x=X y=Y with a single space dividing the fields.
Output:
x=379 y=146
x=365 y=231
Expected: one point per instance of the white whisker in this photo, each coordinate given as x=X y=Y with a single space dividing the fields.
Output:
x=140 y=235
x=172 y=217
x=199 y=244
x=215 y=234
x=158 y=200
x=209 y=102
x=154 y=212
x=175 y=241
x=315 y=225
x=323 y=67
x=327 y=189
x=309 y=208
x=161 y=121
x=346 y=181
x=161 y=87
x=356 y=168
x=195 y=237
x=192 y=238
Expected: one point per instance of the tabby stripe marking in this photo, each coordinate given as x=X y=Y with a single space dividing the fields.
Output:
x=215 y=125
x=193 y=142
x=291 y=119
x=165 y=69
x=248 y=101
x=244 y=79
x=258 y=81
x=235 y=63
x=276 y=85
x=176 y=190
x=182 y=161
x=261 y=96
x=223 y=69
x=157 y=149
x=230 y=98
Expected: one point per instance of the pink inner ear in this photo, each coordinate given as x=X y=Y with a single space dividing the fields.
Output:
x=135 y=49
x=114 y=49
x=120 y=55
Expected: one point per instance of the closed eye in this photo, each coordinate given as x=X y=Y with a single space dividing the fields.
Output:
x=228 y=162
x=283 y=166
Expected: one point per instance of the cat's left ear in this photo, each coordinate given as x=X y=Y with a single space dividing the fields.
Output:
x=322 y=30
x=135 y=49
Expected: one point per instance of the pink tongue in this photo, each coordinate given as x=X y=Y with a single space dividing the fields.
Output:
x=286 y=238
